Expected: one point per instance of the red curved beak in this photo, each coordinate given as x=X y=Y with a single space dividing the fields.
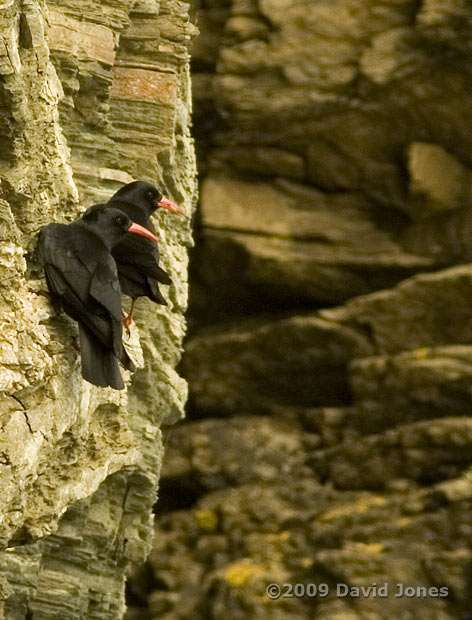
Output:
x=140 y=230
x=170 y=205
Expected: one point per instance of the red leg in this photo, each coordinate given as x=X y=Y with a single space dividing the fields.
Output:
x=127 y=320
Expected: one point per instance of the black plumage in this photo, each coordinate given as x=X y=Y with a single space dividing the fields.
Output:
x=82 y=278
x=137 y=258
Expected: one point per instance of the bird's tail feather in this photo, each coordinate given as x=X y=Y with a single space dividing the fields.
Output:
x=161 y=275
x=99 y=364
x=156 y=294
x=127 y=361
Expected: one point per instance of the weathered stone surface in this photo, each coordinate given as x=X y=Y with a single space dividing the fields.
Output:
x=81 y=39
x=222 y=552
x=287 y=240
x=419 y=384
x=335 y=149
x=261 y=161
x=350 y=90
x=299 y=360
x=438 y=180
x=444 y=237
x=425 y=452
x=269 y=362
x=424 y=311
x=255 y=449
x=79 y=464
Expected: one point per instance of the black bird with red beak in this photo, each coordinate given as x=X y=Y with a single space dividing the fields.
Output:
x=137 y=258
x=82 y=278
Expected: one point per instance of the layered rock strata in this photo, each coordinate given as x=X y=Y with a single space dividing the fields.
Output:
x=92 y=96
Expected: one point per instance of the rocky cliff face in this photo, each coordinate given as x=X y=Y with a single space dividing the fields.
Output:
x=92 y=96
x=329 y=437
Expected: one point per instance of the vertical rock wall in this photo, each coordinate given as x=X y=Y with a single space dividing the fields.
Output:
x=329 y=437
x=92 y=95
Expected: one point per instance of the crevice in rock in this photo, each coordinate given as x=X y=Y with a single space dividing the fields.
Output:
x=178 y=493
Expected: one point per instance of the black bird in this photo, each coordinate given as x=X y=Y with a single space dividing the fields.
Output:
x=82 y=278
x=137 y=259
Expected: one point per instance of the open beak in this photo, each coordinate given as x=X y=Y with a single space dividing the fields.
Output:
x=140 y=230
x=168 y=204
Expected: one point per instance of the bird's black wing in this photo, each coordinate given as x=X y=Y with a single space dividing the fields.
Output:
x=100 y=355
x=143 y=255
x=163 y=277
x=62 y=269
x=92 y=316
x=105 y=289
x=70 y=279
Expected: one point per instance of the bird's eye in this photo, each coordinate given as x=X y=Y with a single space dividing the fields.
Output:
x=120 y=220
